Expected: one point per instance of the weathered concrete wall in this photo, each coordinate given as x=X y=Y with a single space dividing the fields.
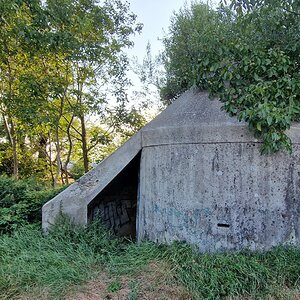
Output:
x=223 y=196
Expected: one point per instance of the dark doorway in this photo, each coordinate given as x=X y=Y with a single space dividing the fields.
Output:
x=116 y=205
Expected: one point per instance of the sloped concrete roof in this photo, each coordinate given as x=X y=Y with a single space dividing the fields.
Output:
x=195 y=118
x=193 y=108
x=192 y=118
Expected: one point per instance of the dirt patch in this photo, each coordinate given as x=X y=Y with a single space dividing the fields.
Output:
x=154 y=283
x=41 y=294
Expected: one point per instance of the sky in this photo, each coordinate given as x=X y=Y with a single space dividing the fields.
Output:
x=155 y=15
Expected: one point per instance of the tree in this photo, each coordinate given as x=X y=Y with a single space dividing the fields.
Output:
x=60 y=62
x=18 y=72
x=248 y=56
x=149 y=72
x=194 y=33
x=97 y=35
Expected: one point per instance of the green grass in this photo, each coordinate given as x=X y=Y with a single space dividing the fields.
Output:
x=70 y=255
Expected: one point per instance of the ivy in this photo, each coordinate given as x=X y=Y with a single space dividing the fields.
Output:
x=253 y=70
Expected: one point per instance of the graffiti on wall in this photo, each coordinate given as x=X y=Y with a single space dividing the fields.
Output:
x=118 y=215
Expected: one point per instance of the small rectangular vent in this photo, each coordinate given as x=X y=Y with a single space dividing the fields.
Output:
x=223 y=225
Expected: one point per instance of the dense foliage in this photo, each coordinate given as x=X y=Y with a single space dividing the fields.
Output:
x=247 y=55
x=21 y=202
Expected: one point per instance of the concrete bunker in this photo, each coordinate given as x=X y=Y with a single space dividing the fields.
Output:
x=116 y=205
x=198 y=176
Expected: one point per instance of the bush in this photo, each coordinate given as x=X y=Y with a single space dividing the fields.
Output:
x=247 y=55
x=21 y=202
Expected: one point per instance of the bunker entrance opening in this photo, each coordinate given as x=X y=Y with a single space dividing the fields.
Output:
x=116 y=205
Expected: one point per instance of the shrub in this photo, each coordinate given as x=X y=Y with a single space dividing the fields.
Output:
x=21 y=202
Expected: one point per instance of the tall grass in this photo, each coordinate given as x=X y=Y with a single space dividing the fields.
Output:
x=69 y=255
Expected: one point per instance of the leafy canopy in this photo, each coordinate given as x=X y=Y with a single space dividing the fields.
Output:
x=61 y=61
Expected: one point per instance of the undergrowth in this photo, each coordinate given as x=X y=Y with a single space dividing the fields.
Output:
x=31 y=263
x=21 y=202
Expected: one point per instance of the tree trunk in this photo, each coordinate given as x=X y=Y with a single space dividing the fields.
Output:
x=58 y=160
x=65 y=167
x=62 y=173
x=50 y=161
x=15 y=150
x=84 y=144
x=7 y=130
x=84 y=147
x=42 y=151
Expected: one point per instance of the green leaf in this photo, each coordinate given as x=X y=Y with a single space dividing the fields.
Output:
x=269 y=120
x=258 y=126
x=256 y=77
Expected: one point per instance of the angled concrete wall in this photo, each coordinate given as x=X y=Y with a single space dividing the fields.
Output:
x=74 y=200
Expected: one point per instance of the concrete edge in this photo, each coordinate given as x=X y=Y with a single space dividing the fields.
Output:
x=205 y=134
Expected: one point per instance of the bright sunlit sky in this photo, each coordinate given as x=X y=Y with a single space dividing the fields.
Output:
x=155 y=15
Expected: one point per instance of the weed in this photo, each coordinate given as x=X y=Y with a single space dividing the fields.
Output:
x=134 y=287
x=67 y=256
x=114 y=287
